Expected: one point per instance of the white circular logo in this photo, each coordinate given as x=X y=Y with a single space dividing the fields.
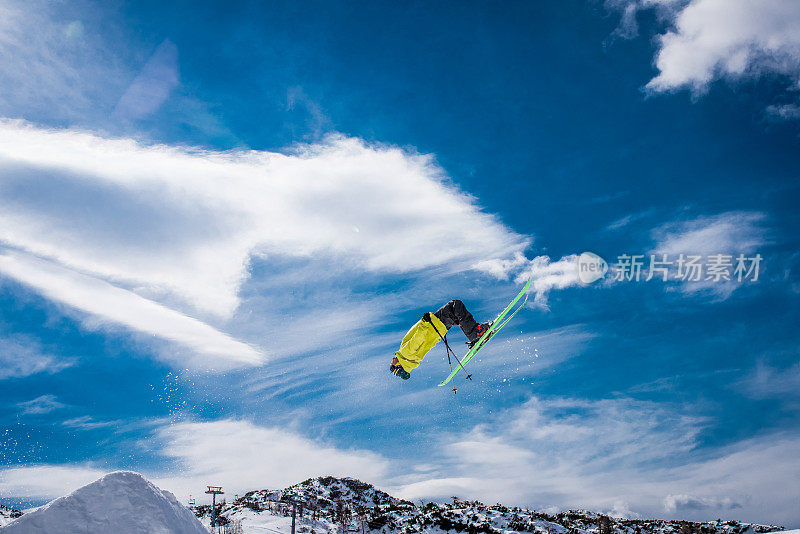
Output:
x=591 y=267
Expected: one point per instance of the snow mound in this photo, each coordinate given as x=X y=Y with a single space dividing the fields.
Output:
x=120 y=503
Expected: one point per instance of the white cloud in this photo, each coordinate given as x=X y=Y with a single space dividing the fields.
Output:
x=501 y=267
x=548 y=275
x=236 y=454
x=317 y=122
x=628 y=26
x=21 y=356
x=79 y=63
x=727 y=233
x=187 y=220
x=784 y=111
x=52 y=66
x=109 y=304
x=721 y=39
x=618 y=455
x=729 y=38
x=242 y=456
x=626 y=220
x=136 y=224
x=731 y=233
x=768 y=382
x=680 y=503
x=40 y=405
x=46 y=481
x=85 y=422
x=565 y=442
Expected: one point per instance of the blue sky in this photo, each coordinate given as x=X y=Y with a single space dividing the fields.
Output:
x=218 y=221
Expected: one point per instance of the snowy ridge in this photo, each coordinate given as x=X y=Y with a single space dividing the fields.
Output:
x=326 y=500
x=334 y=505
x=325 y=492
x=122 y=502
x=7 y=515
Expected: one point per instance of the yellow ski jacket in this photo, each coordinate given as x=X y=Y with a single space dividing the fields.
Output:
x=419 y=340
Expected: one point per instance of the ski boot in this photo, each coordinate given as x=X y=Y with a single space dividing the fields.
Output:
x=397 y=370
x=478 y=332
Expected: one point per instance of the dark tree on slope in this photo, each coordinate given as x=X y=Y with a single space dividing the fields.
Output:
x=604 y=525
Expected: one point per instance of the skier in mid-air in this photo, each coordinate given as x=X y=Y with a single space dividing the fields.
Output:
x=430 y=330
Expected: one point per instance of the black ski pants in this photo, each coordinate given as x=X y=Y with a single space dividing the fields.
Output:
x=455 y=313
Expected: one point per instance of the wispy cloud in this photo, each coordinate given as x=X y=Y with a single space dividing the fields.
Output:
x=534 y=352
x=727 y=233
x=86 y=422
x=108 y=304
x=22 y=356
x=612 y=454
x=784 y=111
x=50 y=66
x=626 y=220
x=771 y=382
x=565 y=442
x=317 y=122
x=40 y=405
x=77 y=64
x=730 y=233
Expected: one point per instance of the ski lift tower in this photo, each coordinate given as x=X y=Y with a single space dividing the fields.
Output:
x=294 y=504
x=214 y=491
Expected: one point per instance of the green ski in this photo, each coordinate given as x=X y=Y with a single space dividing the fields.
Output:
x=498 y=323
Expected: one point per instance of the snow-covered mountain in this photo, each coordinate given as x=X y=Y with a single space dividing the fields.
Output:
x=125 y=503
x=334 y=505
x=119 y=503
x=325 y=492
